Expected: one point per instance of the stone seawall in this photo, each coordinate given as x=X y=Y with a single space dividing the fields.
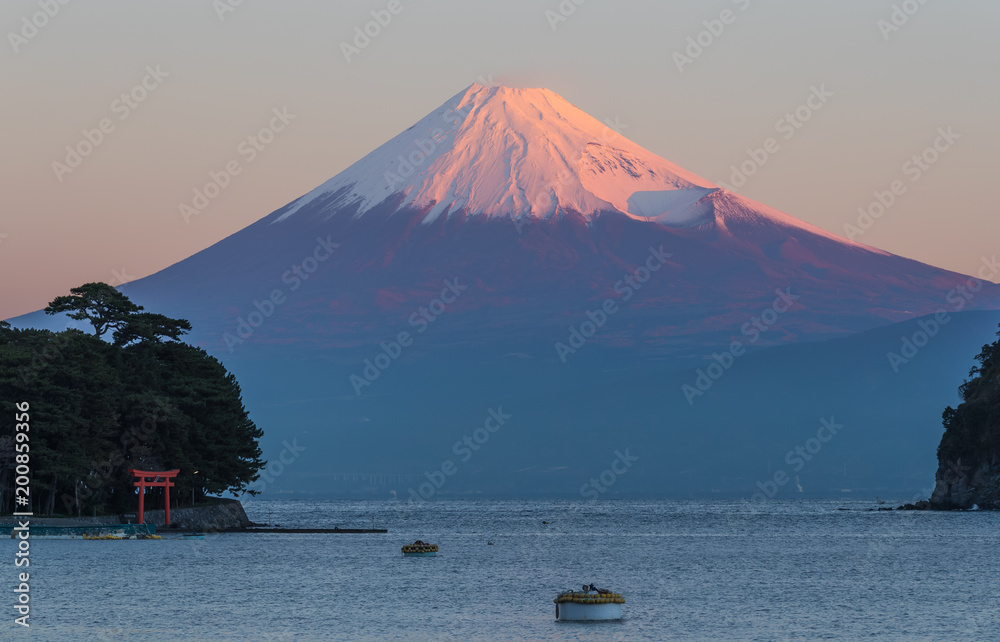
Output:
x=226 y=514
x=100 y=520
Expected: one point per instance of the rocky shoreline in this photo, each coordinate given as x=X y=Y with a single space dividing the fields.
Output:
x=224 y=515
x=963 y=487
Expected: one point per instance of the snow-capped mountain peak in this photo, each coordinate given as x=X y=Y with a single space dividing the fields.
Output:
x=502 y=151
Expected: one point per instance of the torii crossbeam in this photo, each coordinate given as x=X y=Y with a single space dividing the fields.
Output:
x=161 y=478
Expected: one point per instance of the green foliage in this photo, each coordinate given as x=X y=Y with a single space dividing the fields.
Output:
x=972 y=431
x=108 y=309
x=99 y=409
x=151 y=328
x=105 y=307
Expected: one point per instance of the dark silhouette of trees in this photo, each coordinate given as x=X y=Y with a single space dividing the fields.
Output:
x=98 y=408
x=972 y=431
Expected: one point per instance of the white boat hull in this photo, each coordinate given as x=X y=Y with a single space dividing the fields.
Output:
x=571 y=611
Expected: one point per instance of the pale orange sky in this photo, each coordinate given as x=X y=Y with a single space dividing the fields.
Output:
x=116 y=215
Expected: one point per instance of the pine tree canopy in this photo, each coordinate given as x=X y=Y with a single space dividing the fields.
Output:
x=142 y=400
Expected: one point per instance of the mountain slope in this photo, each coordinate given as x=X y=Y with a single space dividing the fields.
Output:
x=542 y=212
x=528 y=252
x=498 y=151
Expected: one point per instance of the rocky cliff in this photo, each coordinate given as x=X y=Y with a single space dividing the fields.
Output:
x=969 y=455
x=965 y=486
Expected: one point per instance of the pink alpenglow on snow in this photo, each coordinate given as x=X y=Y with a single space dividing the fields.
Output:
x=506 y=152
x=542 y=210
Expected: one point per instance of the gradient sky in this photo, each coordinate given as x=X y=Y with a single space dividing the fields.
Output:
x=116 y=215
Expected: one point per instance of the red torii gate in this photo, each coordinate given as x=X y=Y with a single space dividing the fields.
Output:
x=141 y=475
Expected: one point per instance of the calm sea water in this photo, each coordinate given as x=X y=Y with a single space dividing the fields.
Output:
x=689 y=570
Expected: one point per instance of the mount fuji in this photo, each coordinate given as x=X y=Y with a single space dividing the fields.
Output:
x=510 y=256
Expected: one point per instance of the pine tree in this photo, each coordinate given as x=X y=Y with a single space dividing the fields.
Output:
x=145 y=400
x=972 y=431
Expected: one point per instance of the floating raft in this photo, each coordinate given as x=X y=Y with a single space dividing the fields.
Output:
x=267 y=529
x=120 y=536
x=97 y=531
x=420 y=549
x=580 y=606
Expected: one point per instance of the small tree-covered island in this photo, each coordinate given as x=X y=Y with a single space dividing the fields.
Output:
x=129 y=394
x=968 y=472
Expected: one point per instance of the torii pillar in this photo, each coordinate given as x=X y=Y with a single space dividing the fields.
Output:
x=165 y=476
